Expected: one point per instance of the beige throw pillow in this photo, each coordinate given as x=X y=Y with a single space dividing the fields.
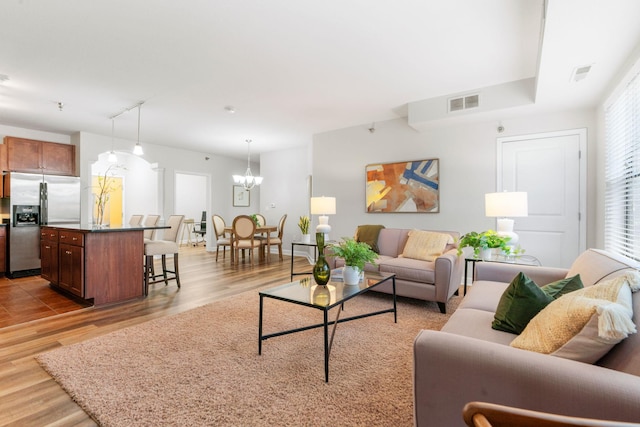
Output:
x=585 y=324
x=425 y=245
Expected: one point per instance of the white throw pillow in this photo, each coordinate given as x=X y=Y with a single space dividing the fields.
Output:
x=425 y=245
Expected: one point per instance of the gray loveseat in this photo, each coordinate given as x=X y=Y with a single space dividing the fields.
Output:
x=469 y=361
x=425 y=280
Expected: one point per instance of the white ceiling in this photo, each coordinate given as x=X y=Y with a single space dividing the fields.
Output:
x=289 y=68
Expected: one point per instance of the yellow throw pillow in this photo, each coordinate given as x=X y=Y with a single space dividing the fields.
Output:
x=425 y=245
x=585 y=324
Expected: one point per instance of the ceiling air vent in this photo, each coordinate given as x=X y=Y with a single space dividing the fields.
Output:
x=464 y=103
x=580 y=73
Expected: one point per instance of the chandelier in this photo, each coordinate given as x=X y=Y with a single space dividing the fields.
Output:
x=248 y=181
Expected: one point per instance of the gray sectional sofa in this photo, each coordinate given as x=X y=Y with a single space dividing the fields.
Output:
x=425 y=280
x=469 y=361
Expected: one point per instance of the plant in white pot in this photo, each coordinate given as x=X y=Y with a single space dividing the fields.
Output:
x=355 y=255
x=303 y=225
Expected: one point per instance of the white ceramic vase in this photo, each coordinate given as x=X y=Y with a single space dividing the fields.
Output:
x=351 y=275
x=306 y=238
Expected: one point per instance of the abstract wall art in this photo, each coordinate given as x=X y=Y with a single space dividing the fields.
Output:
x=412 y=187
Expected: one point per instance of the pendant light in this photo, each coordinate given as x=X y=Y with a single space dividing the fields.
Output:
x=248 y=181
x=112 y=154
x=137 y=150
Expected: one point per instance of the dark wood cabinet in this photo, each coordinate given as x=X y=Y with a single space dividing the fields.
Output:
x=58 y=159
x=71 y=269
x=30 y=155
x=49 y=254
x=71 y=262
x=102 y=265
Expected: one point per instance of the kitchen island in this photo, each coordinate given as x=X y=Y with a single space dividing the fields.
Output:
x=100 y=265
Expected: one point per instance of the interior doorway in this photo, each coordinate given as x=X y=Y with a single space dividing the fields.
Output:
x=191 y=200
x=551 y=168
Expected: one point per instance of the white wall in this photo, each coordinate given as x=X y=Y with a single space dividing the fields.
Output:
x=167 y=161
x=34 y=134
x=140 y=183
x=467 y=154
x=286 y=174
x=337 y=159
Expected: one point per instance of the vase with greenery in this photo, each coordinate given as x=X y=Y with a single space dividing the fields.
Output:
x=489 y=239
x=303 y=224
x=355 y=255
x=105 y=186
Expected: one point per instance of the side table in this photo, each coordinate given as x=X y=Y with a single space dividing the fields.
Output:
x=520 y=260
x=315 y=256
x=188 y=230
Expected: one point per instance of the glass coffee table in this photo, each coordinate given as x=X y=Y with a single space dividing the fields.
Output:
x=334 y=294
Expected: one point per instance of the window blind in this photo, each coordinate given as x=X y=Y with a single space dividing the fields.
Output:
x=622 y=172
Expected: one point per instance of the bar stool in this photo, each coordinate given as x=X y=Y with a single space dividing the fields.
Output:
x=150 y=221
x=168 y=245
x=136 y=220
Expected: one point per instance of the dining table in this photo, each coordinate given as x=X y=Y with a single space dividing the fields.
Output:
x=260 y=230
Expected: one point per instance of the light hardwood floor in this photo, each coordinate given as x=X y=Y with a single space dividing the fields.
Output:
x=30 y=397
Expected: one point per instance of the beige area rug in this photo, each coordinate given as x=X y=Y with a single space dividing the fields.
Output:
x=201 y=367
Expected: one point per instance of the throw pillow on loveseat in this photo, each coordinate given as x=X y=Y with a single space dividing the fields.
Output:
x=436 y=280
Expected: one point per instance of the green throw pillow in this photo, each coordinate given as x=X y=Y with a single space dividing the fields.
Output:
x=564 y=286
x=523 y=299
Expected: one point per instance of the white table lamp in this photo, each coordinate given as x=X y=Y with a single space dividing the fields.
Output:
x=504 y=206
x=323 y=206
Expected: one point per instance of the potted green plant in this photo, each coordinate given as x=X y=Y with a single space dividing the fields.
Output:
x=355 y=255
x=303 y=224
x=489 y=239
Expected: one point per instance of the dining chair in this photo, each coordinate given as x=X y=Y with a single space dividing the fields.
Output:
x=261 y=219
x=168 y=245
x=277 y=240
x=150 y=221
x=222 y=239
x=260 y=235
x=135 y=220
x=202 y=228
x=244 y=230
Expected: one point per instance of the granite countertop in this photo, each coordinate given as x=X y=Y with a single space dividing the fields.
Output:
x=91 y=228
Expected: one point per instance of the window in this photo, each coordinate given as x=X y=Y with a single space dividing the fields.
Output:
x=622 y=172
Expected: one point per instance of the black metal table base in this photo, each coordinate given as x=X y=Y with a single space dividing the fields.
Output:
x=328 y=341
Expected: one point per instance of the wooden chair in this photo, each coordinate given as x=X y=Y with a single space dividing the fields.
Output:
x=168 y=245
x=261 y=222
x=261 y=219
x=481 y=414
x=136 y=220
x=244 y=230
x=277 y=240
x=221 y=237
x=202 y=229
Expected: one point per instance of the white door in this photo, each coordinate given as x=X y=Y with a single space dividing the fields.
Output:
x=551 y=169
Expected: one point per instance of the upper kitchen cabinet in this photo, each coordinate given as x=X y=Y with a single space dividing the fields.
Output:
x=30 y=155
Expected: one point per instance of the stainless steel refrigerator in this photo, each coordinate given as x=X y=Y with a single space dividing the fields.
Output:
x=37 y=200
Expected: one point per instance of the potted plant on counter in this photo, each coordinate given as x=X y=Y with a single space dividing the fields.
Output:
x=355 y=255
x=303 y=224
